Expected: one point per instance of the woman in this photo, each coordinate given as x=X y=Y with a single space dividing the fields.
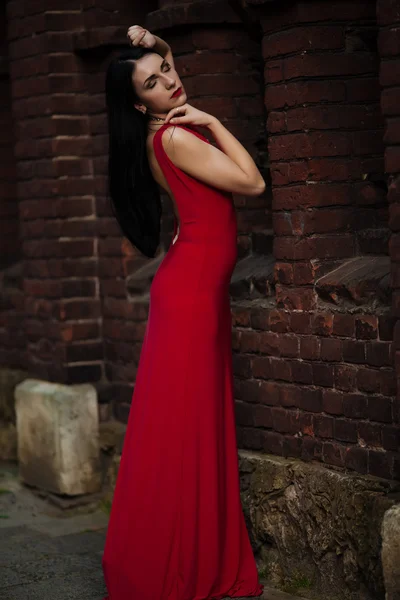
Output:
x=177 y=530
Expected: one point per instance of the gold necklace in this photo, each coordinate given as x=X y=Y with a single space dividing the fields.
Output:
x=156 y=118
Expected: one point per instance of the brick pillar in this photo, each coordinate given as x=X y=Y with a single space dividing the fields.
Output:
x=12 y=343
x=314 y=369
x=56 y=193
x=388 y=12
x=325 y=138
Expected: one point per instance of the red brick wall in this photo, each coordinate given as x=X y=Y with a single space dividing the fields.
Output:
x=313 y=346
x=11 y=297
x=388 y=12
x=314 y=373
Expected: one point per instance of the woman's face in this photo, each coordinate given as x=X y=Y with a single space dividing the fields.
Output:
x=155 y=80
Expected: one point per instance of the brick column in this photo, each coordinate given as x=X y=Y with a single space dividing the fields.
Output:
x=314 y=369
x=56 y=193
x=388 y=12
x=325 y=137
x=12 y=342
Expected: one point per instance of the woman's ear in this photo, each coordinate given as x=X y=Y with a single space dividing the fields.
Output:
x=141 y=107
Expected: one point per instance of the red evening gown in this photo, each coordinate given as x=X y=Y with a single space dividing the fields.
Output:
x=177 y=529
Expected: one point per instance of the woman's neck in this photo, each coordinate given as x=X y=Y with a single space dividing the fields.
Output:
x=155 y=121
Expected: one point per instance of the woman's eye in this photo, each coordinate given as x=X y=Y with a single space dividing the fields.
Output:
x=151 y=86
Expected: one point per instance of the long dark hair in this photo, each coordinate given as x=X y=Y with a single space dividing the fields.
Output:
x=135 y=196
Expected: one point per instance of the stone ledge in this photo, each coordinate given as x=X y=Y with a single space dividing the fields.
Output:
x=316 y=525
x=360 y=281
x=193 y=13
x=100 y=37
x=253 y=277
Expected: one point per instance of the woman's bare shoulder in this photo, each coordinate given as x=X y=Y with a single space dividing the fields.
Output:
x=177 y=138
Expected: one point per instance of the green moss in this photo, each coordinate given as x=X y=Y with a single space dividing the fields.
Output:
x=297 y=582
x=105 y=505
x=262 y=572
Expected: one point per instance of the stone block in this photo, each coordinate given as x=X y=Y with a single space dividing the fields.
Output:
x=58 y=437
x=317 y=530
x=391 y=552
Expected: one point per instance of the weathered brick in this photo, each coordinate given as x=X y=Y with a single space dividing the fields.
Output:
x=355 y=406
x=368 y=380
x=388 y=42
x=249 y=341
x=269 y=343
x=324 y=426
x=296 y=298
x=322 y=323
x=390 y=101
x=272 y=442
x=260 y=368
x=343 y=325
x=333 y=453
x=345 y=430
x=281 y=369
x=391 y=437
x=369 y=433
x=291 y=446
x=329 y=65
x=279 y=320
x=380 y=409
x=301 y=372
x=300 y=322
x=356 y=459
x=283 y=273
x=310 y=347
x=332 y=402
x=345 y=377
x=311 y=449
x=289 y=346
x=310 y=38
x=388 y=382
x=290 y=395
x=380 y=464
x=323 y=374
x=331 y=349
x=269 y=393
x=302 y=145
x=379 y=354
x=354 y=351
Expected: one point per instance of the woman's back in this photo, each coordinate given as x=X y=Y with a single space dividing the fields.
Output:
x=205 y=213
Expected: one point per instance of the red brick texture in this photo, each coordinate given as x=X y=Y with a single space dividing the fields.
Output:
x=315 y=379
x=311 y=89
x=388 y=12
x=12 y=342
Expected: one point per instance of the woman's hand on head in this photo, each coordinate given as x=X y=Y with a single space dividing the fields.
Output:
x=189 y=115
x=138 y=36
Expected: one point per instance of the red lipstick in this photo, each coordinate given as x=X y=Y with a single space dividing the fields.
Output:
x=177 y=93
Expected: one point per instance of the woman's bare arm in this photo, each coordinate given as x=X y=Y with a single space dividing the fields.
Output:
x=163 y=49
x=231 y=147
x=231 y=169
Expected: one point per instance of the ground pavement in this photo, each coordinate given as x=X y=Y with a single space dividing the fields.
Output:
x=50 y=554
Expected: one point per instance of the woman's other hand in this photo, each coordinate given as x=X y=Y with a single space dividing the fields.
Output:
x=189 y=115
x=138 y=36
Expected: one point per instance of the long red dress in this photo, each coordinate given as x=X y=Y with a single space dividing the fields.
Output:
x=177 y=529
